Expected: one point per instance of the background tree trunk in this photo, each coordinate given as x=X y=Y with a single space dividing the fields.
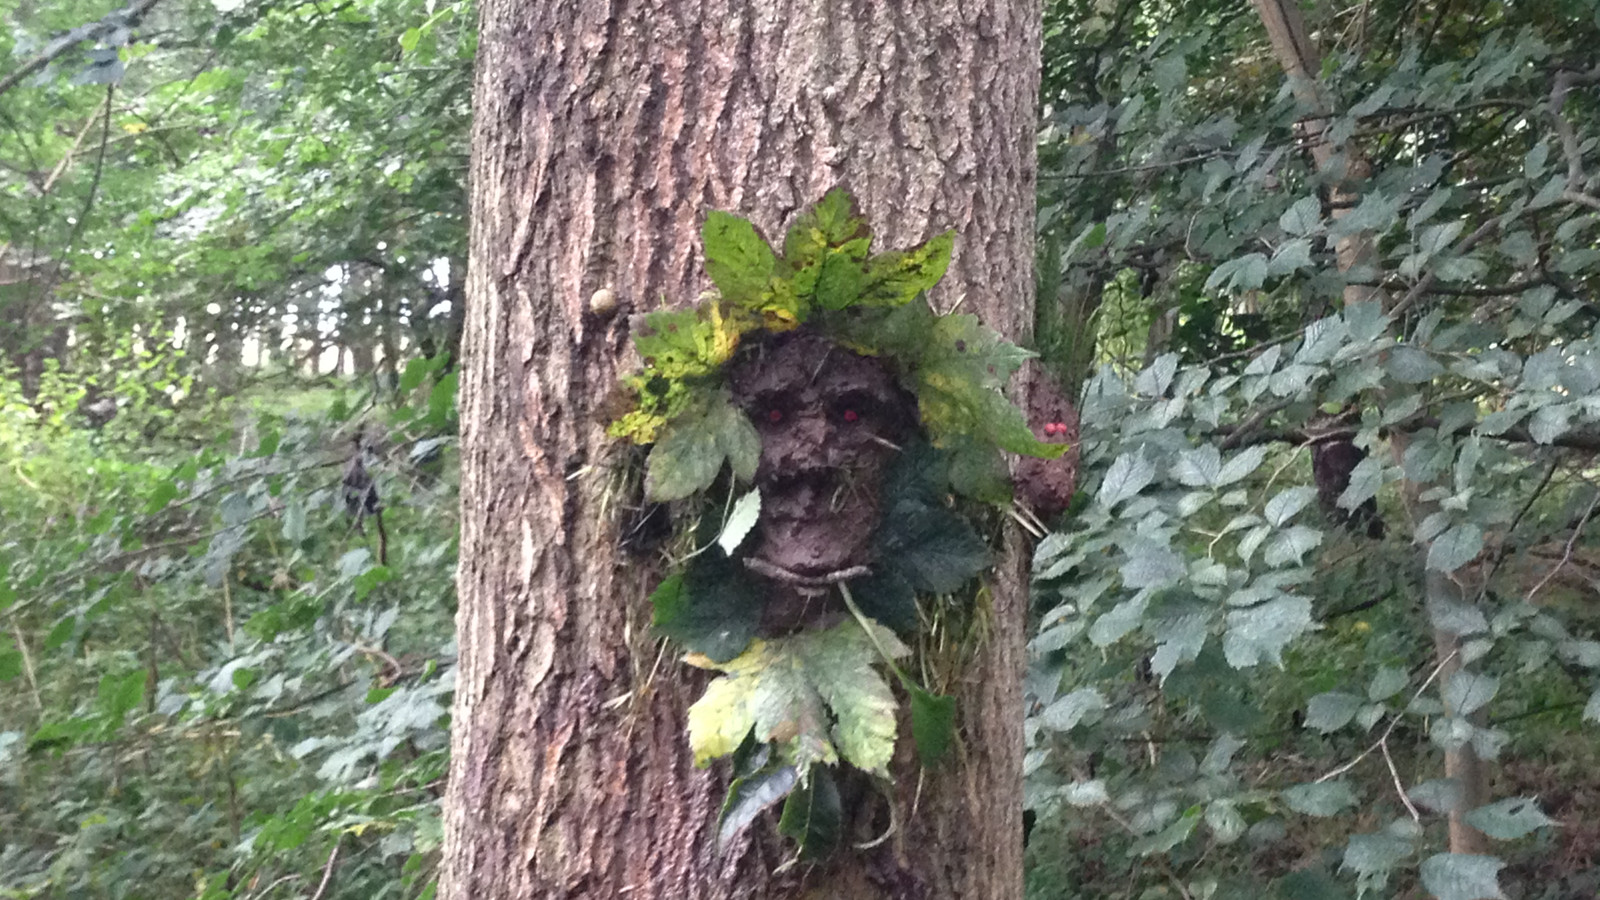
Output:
x=602 y=134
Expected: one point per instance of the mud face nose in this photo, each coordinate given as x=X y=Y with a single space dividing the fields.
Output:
x=814 y=523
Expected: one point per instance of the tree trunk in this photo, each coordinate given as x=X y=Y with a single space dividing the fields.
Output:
x=602 y=134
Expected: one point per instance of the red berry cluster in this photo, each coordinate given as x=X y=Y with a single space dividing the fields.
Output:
x=1054 y=429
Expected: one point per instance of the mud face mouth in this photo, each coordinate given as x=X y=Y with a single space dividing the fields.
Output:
x=816 y=522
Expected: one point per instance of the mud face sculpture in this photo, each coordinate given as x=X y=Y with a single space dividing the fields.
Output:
x=830 y=422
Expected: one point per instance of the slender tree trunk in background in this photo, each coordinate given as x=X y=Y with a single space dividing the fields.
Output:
x=1301 y=61
x=602 y=134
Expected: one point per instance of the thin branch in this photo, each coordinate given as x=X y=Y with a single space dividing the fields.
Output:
x=72 y=39
x=1566 y=555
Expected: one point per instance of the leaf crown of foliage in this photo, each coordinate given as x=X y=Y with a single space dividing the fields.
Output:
x=826 y=278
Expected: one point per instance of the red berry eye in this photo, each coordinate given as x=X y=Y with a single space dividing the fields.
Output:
x=850 y=415
x=775 y=416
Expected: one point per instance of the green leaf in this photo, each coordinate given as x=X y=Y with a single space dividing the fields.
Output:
x=741 y=519
x=840 y=282
x=1169 y=837
x=1241 y=464
x=931 y=547
x=1467 y=692
x=813 y=816
x=749 y=796
x=1304 y=217
x=1331 y=711
x=1455 y=548
x=933 y=724
x=784 y=689
x=1365 y=479
x=1199 y=467
x=1259 y=633
x=714 y=607
x=1066 y=712
x=829 y=223
x=1462 y=876
x=409 y=39
x=119 y=694
x=165 y=492
x=1286 y=503
x=692 y=450
x=1408 y=365
x=977 y=470
x=1510 y=819
x=888 y=598
x=896 y=278
x=738 y=259
x=1321 y=799
x=1372 y=856
x=10 y=664
x=1126 y=477
x=1387 y=682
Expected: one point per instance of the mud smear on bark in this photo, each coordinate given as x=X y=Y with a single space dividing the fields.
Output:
x=831 y=421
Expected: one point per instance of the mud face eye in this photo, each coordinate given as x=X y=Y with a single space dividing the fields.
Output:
x=775 y=416
x=854 y=409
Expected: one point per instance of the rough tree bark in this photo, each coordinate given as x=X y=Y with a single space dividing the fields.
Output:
x=602 y=134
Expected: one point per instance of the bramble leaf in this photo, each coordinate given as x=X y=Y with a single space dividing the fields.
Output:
x=783 y=691
x=737 y=258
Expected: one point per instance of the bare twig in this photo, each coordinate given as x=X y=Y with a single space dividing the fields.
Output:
x=1382 y=740
x=1399 y=786
x=779 y=573
x=72 y=39
x=327 y=870
x=1566 y=555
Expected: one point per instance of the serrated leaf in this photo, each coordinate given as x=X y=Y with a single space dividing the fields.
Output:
x=1509 y=819
x=1440 y=795
x=784 y=690
x=1372 y=856
x=830 y=222
x=738 y=259
x=713 y=607
x=1387 y=682
x=741 y=519
x=1365 y=480
x=1127 y=476
x=897 y=277
x=1320 y=799
x=1462 y=876
x=1409 y=365
x=1467 y=692
x=1066 y=712
x=1291 y=545
x=1199 y=467
x=1168 y=837
x=1331 y=711
x=1241 y=464
x=1283 y=506
x=1303 y=217
x=1455 y=548
x=1259 y=633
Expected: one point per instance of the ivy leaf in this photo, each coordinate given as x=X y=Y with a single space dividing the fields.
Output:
x=1509 y=819
x=813 y=816
x=738 y=259
x=933 y=724
x=1321 y=799
x=1462 y=876
x=749 y=796
x=784 y=691
x=741 y=519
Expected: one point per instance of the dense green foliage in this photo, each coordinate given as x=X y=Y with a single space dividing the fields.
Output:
x=1237 y=689
x=231 y=247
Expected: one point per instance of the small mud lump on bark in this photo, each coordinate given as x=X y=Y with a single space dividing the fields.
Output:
x=830 y=421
